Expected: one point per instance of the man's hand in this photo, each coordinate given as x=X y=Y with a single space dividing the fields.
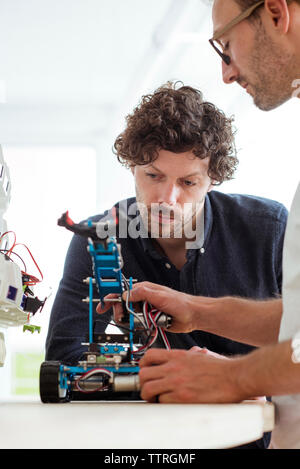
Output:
x=252 y=322
x=205 y=351
x=195 y=376
x=180 y=306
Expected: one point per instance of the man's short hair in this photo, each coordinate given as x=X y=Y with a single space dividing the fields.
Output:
x=255 y=17
x=244 y=4
x=177 y=119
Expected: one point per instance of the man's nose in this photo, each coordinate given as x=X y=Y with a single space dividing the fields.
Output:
x=229 y=73
x=169 y=194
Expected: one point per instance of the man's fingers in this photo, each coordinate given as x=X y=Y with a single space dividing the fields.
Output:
x=117 y=307
x=169 y=398
x=155 y=357
x=145 y=291
x=138 y=293
x=150 y=373
x=198 y=349
x=102 y=308
x=152 y=389
x=149 y=285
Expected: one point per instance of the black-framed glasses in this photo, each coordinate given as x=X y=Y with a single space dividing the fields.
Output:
x=241 y=17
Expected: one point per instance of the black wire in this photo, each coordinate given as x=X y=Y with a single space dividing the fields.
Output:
x=112 y=324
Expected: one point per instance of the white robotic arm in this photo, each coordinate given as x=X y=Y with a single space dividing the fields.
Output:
x=14 y=304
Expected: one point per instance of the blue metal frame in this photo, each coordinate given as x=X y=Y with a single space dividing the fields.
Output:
x=106 y=262
x=108 y=277
x=106 y=266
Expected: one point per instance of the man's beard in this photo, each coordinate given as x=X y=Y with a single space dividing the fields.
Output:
x=274 y=73
x=170 y=222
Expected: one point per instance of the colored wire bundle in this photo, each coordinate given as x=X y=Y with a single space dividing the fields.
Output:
x=151 y=318
x=28 y=279
x=87 y=375
x=149 y=322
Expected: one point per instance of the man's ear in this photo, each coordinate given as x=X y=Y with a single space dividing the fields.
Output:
x=279 y=13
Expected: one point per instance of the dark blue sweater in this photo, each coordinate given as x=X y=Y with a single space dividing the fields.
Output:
x=241 y=256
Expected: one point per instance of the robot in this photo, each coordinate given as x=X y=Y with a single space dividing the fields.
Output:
x=17 y=300
x=109 y=369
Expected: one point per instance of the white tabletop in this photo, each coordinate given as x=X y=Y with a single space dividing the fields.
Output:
x=132 y=425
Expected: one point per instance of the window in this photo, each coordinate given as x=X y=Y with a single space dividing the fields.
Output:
x=45 y=182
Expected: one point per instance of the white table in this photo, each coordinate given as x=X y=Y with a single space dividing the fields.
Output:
x=132 y=425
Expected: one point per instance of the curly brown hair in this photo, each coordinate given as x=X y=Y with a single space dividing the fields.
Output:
x=178 y=120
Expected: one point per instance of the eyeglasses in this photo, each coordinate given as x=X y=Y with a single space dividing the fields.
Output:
x=241 y=17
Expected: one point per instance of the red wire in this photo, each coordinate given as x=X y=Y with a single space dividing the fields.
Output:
x=34 y=279
x=14 y=243
x=147 y=317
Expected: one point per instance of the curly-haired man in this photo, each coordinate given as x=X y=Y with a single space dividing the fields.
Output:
x=179 y=147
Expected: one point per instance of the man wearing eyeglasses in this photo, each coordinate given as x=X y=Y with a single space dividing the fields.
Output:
x=259 y=43
x=259 y=47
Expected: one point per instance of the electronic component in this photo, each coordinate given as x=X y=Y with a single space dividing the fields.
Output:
x=109 y=368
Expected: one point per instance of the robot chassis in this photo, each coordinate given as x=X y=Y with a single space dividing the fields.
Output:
x=109 y=369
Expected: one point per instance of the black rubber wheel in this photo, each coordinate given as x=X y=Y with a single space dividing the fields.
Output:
x=50 y=391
